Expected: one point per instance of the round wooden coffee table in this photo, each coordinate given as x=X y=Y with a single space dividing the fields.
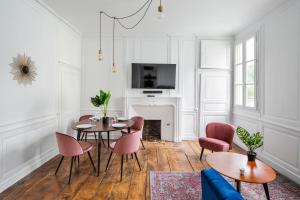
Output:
x=229 y=165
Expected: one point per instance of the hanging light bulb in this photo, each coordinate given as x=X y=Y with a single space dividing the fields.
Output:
x=114 y=69
x=100 y=55
x=160 y=11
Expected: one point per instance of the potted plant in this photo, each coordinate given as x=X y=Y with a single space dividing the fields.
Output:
x=102 y=101
x=252 y=141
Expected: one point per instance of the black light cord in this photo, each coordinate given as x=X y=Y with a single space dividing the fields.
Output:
x=136 y=12
x=114 y=24
x=132 y=27
x=100 y=31
x=118 y=19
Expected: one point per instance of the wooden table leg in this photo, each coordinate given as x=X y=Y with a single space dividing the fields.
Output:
x=238 y=185
x=99 y=153
x=108 y=139
x=266 y=190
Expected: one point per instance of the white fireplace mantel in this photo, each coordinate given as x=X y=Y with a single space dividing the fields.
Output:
x=164 y=108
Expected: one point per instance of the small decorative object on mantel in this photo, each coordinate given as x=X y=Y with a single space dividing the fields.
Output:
x=23 y=69
x=102 y=101
x=252 y=141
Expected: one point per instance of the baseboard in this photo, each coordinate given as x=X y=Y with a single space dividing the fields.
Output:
x=31 y=165
x=189 y=137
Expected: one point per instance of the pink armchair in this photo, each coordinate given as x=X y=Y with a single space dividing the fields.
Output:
x=137 y=126
x=219 y=137
x=126 y=144
x=70 y=147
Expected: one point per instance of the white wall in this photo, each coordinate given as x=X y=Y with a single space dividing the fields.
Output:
x=184 y=51
x=30 y=115
x=278 y=113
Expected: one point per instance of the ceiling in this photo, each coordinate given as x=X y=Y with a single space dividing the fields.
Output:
x=182 y=17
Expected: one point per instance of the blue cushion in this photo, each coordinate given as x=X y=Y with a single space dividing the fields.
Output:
x=215 y=187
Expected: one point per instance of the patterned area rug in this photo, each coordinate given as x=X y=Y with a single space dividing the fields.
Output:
x=187 y=185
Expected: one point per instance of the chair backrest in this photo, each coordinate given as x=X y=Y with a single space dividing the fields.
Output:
x=128 y=143
x=85 y=117
x=138 y=123
x=220 y=131
x=67 y=145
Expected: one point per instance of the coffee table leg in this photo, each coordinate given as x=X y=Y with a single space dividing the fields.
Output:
x=99 y=153
x=238 y=185
x=266 y=190
x=108 y=139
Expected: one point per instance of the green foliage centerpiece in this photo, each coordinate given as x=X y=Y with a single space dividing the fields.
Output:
x=102 y=101
x=252 y=141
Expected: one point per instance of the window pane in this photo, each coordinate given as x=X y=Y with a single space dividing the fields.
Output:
x=239 y=74
x=250 y=94
x=239 y=53
x=250 y=49
x=250 y=72
x=239 y=95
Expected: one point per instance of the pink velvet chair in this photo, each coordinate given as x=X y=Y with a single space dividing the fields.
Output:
x=219 y=137
x=126 y=144
x=137 y=126
x=84 y=134
x=70 y=147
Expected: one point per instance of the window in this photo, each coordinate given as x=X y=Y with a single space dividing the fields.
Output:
x=245 y=73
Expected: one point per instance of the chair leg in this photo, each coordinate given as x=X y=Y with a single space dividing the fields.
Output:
x=62 y=158
x=131 y=156
x=201 y=153
x=137 y=161
x=82 y=136
x=108 y=160
x=85 y=137
x=71 y=170
x=78 y=161
x=142 y=143
x=121 y=167
x=91 y=161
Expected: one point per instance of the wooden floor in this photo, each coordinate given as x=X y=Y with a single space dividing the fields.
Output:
x=158 y=156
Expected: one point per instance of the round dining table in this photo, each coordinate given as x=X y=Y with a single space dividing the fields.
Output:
x=98 y=127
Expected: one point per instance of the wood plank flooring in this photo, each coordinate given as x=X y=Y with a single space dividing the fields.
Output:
x=158 y=156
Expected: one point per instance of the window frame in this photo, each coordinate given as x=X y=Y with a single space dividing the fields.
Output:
x=244 y=63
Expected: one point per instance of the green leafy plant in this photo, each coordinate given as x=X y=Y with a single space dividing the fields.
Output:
x=252 y=141
x=102 y=101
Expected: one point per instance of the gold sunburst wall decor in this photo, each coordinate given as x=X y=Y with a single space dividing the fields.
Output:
x=23 y=69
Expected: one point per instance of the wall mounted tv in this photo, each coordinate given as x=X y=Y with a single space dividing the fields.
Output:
x=153 y=76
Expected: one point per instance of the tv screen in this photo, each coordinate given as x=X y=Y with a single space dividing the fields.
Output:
x=153 y=76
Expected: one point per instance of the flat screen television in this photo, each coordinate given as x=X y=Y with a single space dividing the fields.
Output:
x=153 y=76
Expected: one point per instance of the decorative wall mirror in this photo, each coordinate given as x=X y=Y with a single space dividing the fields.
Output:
x=23 y=69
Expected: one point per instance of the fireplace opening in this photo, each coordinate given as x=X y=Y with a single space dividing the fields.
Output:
x=152 y=130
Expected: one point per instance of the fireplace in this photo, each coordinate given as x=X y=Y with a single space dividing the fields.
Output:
x=152 y=130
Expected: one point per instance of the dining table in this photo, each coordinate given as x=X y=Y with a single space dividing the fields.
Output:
x=98 y=127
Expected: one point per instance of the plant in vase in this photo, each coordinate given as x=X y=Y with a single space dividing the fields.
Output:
x=102 y=101
x=252 y=141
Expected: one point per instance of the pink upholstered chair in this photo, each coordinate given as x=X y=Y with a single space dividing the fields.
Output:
x=84 y=134
x=137 y=126
x=219 y=137
x=70 y=147
x=126 y=144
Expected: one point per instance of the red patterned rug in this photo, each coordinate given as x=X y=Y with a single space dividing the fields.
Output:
x=187 y=185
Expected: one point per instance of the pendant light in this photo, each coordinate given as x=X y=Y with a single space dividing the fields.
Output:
x=100 y=54
x=160 y=10
x=115 y=19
